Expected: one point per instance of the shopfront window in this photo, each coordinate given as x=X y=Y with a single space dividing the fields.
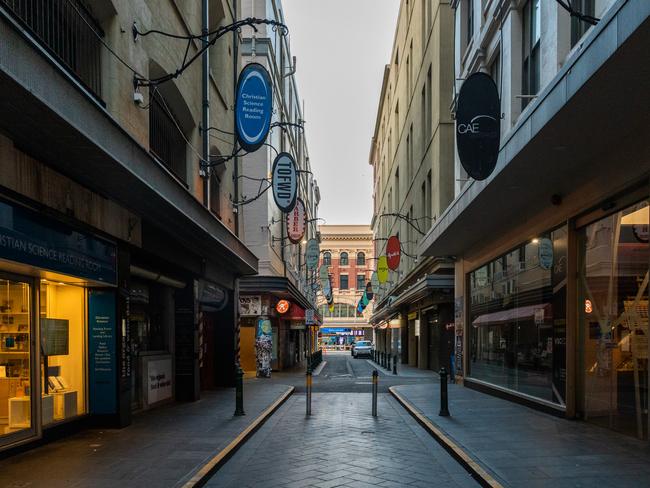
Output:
x=15 y=357
x=152 y=318
x=518 y=319
x=63 y=351
x=614 y=320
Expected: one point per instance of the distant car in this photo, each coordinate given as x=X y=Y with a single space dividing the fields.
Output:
x=362 y=348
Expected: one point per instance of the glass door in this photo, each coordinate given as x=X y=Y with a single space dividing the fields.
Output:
x=613 y=325
x=16 y=371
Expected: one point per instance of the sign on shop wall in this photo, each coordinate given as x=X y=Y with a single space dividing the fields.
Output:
x=250 y=305
x=253 y=106
x=102 y=345
x=284 y=180
x=26 y=237
x=478 y=125
x=458 y=336
x=159 y=380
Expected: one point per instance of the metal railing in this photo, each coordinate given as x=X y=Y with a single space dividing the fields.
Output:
x=68 y=31
x=166 y=141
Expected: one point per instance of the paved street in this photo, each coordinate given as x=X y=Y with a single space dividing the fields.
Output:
x=345 y=374
x=341 y=444
x=525 y=448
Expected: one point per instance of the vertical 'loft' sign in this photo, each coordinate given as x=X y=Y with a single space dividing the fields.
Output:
x=253 y=106
x=478 y=125
x=285 y=182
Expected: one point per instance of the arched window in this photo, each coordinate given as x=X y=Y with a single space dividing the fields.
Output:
x=361 y=259
x=327 y=259
x=344 y=259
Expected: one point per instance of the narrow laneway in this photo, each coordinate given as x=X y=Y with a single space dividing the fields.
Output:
x=341 y=444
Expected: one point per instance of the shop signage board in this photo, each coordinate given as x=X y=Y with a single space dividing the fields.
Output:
x=478 y=125
x=159 y=380
x=26 y=237
x=297 y=222
x=382 y=269
x=253 y=106
x=250 y=305
x=393 y=252
x=323 y=274
x=102 y=348
x=310 y=318
x=282 y=306
x=312 y=253
x=545 y=253
x=374 y=280
x=284 y=180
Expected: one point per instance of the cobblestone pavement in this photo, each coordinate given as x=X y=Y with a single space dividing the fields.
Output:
x=341 y=444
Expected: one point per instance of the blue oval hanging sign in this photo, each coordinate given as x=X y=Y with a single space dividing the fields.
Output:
x=285 y=182
x=253 y=106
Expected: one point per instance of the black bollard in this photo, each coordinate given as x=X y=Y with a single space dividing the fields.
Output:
x=309 y=383
x=395 y=364
x=239 y=393
x=444 y=401
x=375 y=382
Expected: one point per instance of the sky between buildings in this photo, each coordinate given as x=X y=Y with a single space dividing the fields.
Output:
x=342 y=47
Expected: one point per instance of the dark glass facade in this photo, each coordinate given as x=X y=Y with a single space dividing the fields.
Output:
x=517 y=319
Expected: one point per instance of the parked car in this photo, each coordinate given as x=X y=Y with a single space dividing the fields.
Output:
x=362 y=348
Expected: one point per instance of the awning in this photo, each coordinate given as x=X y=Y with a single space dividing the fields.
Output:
x=542 y=313
x=296 y=312
x=429 y=284
x=280 y=287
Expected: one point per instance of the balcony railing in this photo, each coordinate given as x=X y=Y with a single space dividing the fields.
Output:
x=68 y=31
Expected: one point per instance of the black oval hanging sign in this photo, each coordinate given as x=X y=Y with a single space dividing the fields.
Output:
x=253 y=106
x=478 y=125
x=285 y=182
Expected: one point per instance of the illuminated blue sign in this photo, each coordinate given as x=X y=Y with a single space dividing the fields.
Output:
x=253 y=106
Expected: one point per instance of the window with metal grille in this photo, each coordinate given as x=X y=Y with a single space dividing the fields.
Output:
x=166 y=142
x=68 y=31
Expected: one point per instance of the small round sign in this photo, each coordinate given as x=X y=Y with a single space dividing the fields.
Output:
x=296 y=222
x=382 y=269
x=282 y=306
x=312 y=253
x=393 y=252
x=478 y=125
x=253 y=106
x=284 y=180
